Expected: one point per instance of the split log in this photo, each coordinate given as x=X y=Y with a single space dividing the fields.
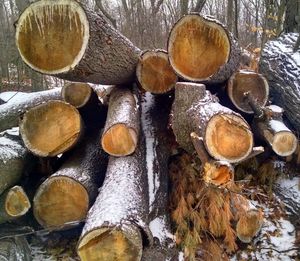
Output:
x=66 y=39
x=67 y=194
x=51 y=128
x=281 y=67
x=122 y=126
x=201 y=49
x=115 y=221
x=14 y=203
x=226 y=135
x=154 y=72
x=12 y=110
x=269 y=126
x=247 y=81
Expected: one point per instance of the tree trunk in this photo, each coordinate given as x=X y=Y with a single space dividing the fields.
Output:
x=154 y=72
x=51 y=128
x=14 y=203
x=292 y=11
x=115 y=222
x=247 y=81
x=230 y=13
x=84 y=46
x=67 y=194
x=281 y=67
x=122 y=126
x=12 y=110
x=210 y=53
x=226 y=135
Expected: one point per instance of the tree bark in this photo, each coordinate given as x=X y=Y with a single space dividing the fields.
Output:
x=122 y=126
x=12 y=110
x=280 y=66
x=119 y=215
x=212 y=53
x=84 y=46
x=67 y=194
x=226 y=135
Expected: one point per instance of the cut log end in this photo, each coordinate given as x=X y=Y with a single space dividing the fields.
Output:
x=17 y=203
x=119 y=140
x=284 y=143
x=194 y=41
x=218 y=173
x=247 y=81
x=228 y=137
x=60 y=200
x=249 y=225
x=155 y=73
x=51 y=128
x=110 y=244
x=77 y=94
x=38 y=40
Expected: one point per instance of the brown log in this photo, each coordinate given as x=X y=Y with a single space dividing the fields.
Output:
x=201 y=49
x=119 y=215
x=67 y=194
x=247 y=81
x=14 y=203
x=66 y=39
x=51 y=128
x=122 y=126
x=155 y=73
x=11 y=111
x=226 y=135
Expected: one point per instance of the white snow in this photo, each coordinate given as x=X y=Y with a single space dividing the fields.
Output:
x=11 y=96
x=159 y=229
x=278 y=125
x=181 y=256
x=292 y=186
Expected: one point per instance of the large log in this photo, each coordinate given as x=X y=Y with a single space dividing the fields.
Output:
x=281 y=66
x=201 y=49
x=226 y=135
x=114 y=223
x=155 y=73
x=12 y=110
x=66 y=39
x=51 y=128
x=121 y=131
x=67 y=194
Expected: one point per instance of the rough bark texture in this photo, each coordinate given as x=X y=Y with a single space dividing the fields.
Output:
x=222 y=46
x=12 y=110
x=85 y=166
x=281 y=67
x=122 y=126
x=109 y=57
x=195 y=110
x=122 y=205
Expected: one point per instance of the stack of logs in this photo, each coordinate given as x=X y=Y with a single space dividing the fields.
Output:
x=96 y=131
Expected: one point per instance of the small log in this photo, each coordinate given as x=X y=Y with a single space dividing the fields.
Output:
x=51 y=128
x=154 y=72
x=247 y=81
x=11 y=111
x=114 y=223
x=122 y=126
x=67 y=194
x=14 y=203
x=226 y=135
x=84 y=46
x=201 y=49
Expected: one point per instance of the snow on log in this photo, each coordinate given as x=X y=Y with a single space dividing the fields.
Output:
x=247 y=81
x=226 y=135
x=122 y=126
x=154 y=72
x=51 y=128
x=281 y=66
x=67 y=194
x=12 y=110
x=67 y=39
x=201 y=49
x=14 y=203
x=115 y=221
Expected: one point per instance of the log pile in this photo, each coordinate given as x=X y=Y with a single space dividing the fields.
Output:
x=116 y=146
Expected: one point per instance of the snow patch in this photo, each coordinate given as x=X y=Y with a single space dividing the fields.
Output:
x=159 y=229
